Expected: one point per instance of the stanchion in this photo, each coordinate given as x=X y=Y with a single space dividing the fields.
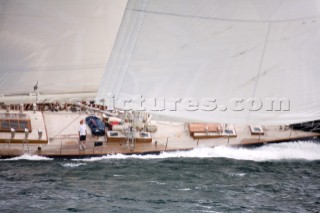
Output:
x=166 y=144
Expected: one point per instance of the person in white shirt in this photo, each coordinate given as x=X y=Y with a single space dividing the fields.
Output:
x=82 y=135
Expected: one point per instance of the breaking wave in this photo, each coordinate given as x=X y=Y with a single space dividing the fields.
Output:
x=28 y=157
x=72 y=165
x=301 y=150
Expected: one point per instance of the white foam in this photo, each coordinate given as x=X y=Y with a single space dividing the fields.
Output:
x=115 y=156
x=184 y=189
x=281 y=151
x=303 y=150
x=157 y=182
x=238 y=174
x=29 y=157
x=72 y=165
x=117 y=175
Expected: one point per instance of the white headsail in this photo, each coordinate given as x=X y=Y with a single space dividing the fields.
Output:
x=64 y=45
x=219 y=57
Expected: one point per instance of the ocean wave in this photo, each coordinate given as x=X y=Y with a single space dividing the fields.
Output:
x=28 y=157
x=300 y=150
x=71 y=165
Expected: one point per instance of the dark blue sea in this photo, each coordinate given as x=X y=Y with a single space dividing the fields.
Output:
x=273 y=178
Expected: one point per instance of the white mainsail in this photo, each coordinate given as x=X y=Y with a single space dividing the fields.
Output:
x=64 y=45
x=222 y=50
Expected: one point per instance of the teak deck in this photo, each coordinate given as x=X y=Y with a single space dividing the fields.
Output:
x=60 y=138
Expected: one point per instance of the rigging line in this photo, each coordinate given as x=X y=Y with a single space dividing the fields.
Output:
x=57 y=68
x=260 y=64
x=225 y=19
x=52 y=92
x=42 y=15
x=262 y=59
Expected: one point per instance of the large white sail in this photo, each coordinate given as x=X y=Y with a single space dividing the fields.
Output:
x=64 y=45
x=236 y=52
